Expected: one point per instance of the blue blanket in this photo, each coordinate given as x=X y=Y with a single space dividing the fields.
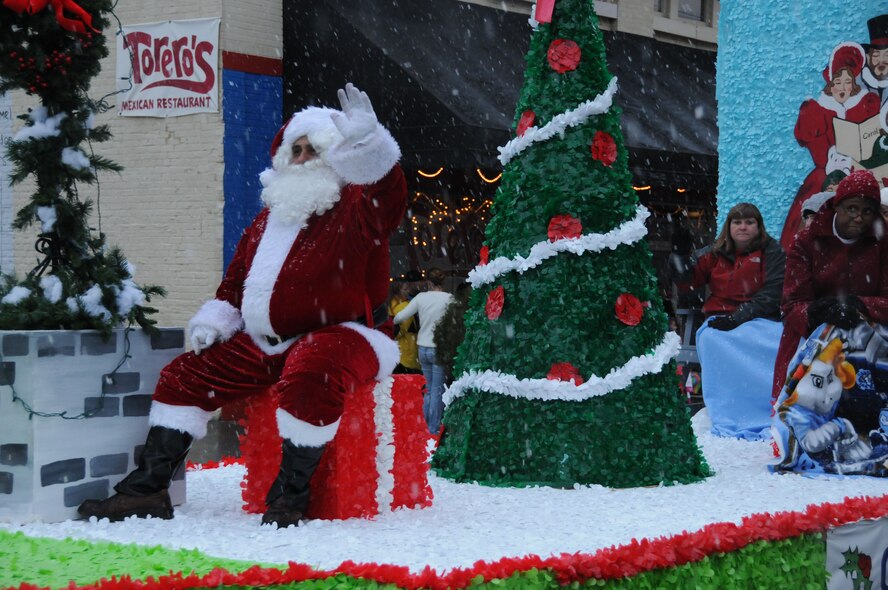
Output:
x=737 y=370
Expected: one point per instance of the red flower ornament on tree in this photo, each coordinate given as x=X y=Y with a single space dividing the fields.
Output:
x=604 y=148
x=564 y=226
x=563 y=55
x=525 y=122
x=496 y=299
x=565 y=372
x=485 y=256
x=629 y=309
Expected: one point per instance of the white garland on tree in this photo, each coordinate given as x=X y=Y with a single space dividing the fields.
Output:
x=551 y=390
x=628 y=232
x=559 y=123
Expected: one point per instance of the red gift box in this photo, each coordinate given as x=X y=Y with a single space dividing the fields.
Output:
x=377 y=462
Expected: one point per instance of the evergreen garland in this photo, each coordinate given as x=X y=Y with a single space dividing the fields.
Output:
x=80 y=283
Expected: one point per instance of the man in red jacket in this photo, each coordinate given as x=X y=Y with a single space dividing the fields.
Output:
x=836 y=269
x=296 y=310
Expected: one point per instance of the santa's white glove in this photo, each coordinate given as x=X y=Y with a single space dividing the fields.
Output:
x=357 y=119
x=203 y=337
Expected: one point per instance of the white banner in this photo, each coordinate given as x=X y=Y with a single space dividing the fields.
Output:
x=168 y=69
x=857 y=556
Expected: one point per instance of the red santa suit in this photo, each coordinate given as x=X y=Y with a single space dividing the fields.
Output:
x=814 y=130
x=294 y=310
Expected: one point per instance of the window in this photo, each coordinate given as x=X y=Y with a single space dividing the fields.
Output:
x=690 y=9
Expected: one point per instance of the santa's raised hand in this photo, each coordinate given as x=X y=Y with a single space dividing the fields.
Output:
x=357 y=119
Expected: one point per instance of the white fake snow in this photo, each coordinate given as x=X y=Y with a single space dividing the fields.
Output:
x=470 y=522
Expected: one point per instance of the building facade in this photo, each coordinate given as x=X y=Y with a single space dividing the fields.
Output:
x=444 y=76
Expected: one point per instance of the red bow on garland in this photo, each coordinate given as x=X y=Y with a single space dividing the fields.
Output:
x=60 y=6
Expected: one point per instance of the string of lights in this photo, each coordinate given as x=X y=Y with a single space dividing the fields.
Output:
x=109 y=379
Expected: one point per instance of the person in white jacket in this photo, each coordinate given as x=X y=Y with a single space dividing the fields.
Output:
x=430 y=306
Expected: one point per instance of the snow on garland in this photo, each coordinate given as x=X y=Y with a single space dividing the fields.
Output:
x=548 y=389
x=628 y=232
x=385 y=444
x=559 y=123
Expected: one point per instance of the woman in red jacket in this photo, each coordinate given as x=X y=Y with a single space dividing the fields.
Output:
x=836 y=270
x=743 y=270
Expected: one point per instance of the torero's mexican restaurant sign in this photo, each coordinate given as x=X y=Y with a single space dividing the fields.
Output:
x=168 y=69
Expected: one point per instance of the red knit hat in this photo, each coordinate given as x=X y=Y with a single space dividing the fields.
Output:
x=860 y=183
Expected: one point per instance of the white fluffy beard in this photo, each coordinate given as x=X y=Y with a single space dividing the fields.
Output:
x=297 y=192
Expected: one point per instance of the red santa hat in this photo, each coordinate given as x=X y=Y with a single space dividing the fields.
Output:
x=314 y=123
x=845 y=55
x=860 y=183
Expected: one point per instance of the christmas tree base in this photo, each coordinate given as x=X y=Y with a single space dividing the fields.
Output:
x=497 y=440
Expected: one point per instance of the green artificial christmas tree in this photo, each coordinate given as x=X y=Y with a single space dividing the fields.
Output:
x=52 y=51
x=566 y=375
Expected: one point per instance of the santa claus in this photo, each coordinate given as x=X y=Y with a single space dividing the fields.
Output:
x=297 y=309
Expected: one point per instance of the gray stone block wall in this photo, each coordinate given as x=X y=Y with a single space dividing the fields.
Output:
x=49 y=465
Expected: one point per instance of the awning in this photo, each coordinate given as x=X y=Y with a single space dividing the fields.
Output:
x=445 y=76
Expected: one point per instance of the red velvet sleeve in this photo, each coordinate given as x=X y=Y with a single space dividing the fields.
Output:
x=383 y=204
x=814 y=131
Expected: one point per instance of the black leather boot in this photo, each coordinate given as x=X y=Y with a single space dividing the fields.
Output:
x=143 y=492
x=287 y=498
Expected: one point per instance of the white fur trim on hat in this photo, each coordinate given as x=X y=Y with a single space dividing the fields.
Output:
x=219 y=315
x=386 y=349
x=884 y=196
x=315 y=124
x=190 y=419
x=367 y=161
x=303 y=434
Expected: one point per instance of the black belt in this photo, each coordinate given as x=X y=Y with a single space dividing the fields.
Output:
x=275 y=340
x=380 y=316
